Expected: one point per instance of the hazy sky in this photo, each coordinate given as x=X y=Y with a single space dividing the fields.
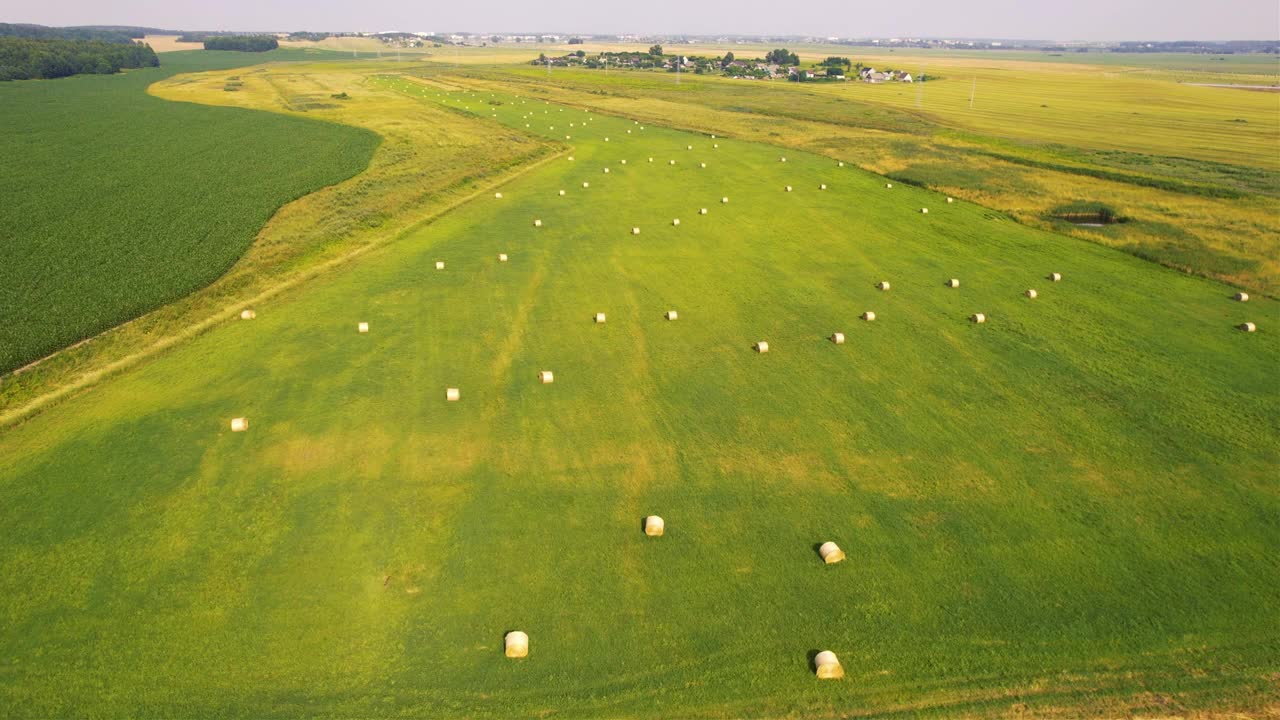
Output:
x=1030 y=19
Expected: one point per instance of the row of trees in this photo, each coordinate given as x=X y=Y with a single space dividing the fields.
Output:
x=41 y=59
x=243 y=43
x=41 y=32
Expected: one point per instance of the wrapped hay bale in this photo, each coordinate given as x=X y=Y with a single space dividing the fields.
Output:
x=561 y=193
x=953 y=283
x=978 y=318
x=498 y=195
x=823 y=186
x=724 y=199
x=676 y=222
x=671 y=162
x=586 y=184
x=788 y=188
x=654 y=526
x=1031 y=293
x=702 y=211
x=635 y=231
x=239 y=424
x=888 y=185
x=782 y=159
x=1242 y=297
x=546 y=377
x=762 y=347
x=672 y=315
x=702 y=165
x=830 y=552
x=516 y=644
x=248 y=314
x=537 y=223
x=837 y=338
x=924 y=211
x=624 y=162
x=502 y=257
x=599 y=317
x=883 y=285
x=362 y=327
x=950 y=200
x=1055 y=277
x=827 y=666
x=452 y=394
x=439 y=265
x=1248 y=327
x=606 y=171
x=868 y=316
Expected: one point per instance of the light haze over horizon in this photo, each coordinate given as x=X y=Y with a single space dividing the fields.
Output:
x=1096 y=20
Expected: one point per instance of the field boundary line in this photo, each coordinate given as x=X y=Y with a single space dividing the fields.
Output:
x=92 y=377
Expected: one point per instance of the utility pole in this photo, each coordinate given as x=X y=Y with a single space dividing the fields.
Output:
x=973 y=90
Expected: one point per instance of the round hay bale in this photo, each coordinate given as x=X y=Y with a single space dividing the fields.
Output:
x=702 y=165
x=586 y=184
x=1055 y=277
x=676 y=222
x=635 y=231
x=628 y=132
x=239 y=424
x=888 y=185
x=868 y=316
x=606 y=139
x=502 y=257
x=827 y=666
x=516 y=644
x=715 y=145
x=830 y=552
x=671 y=162
x=837 y=338
x=452 y=394
x=1242 y=297
x=688 y=147
x=1248 y=327
x=953 y=283
x=650 y=159
x=823 y=186
x=606 y=171
x=671 y=315
x=883 y=285
x=599 y=317
x=537 y=223
x=570 y=157
x=654 y=526
x=713 y=137
x=498 y=195
x=762 y=347
x=782 y=159
x=362 y=327
x=566 y=137
x=624 y=162
x=439 y=265
x=724 y=200
x=561 y=193
x=702 y=211
x=978 y=318
x=841 y=163
x=1031 y=293
x=788 y=188
x=950 y=200
x=546 y=377
x=248 y=314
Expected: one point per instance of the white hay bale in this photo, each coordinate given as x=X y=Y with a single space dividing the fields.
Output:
x=688 y=147
x=724 y=199
x=546 y=377
x=827 y=666
x=1031 y=293
x=566 y=137
x=671 y=162
x=571 y=157
x=1248 y=327
x=1056 y=277
x=953 y=283
x=702 y=211
x=606 y=171
x=452 y=394
x=502 y=257
x=830 y=552
x=606 y=139
x=841 y=163
x=788 y=188
x=600 y=317
x=498 y=195
x=516 y=644
x=762 y=347
x=650 y=159
x=782 y=159
x=672 y=315
x=239 y=424
x=561 y=193
x=1242 y=297
x=715 y=145
x=362 y=327
x=702 y=165
x=654 y=526
x=624 y=162
x=676 y=222
x=248 y=314
x=713 y=137
x=978 y=318
x=868 y=316
x=537 y=223
x=837 y=338
x=439 y=265
x=924 y=211
x=586 y=184
x=823 y=186
x=883 y=285
x=888 y=185
x=635 y=231
x=950 y=200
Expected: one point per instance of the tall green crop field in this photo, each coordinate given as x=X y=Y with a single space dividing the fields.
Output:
x=1069 y=510
x=116 y=202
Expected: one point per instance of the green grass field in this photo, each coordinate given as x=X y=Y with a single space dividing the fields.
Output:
x=116 y=202
x=1069 y=510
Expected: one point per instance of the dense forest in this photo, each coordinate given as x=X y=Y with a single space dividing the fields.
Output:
x=244 y=43
x=27 y=58
x=105 y=33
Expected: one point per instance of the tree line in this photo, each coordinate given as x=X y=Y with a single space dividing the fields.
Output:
x=242 y=43
x=23 y=58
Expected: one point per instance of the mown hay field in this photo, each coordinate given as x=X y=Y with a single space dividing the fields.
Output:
x=1069 y=509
